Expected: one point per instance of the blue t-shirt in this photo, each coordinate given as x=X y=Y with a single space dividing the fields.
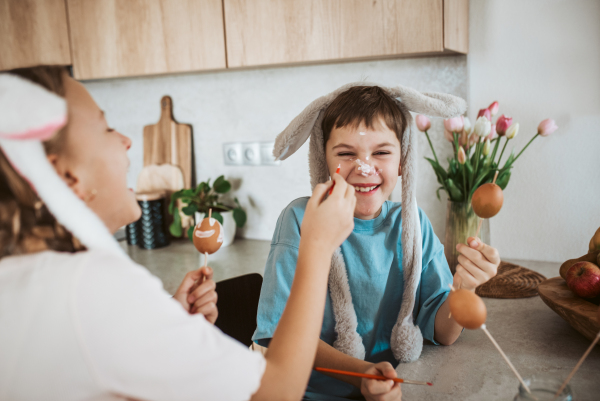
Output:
x=373 y=257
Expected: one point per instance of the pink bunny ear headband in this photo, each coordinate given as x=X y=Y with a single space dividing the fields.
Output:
x=406 y=338
x=31 y=115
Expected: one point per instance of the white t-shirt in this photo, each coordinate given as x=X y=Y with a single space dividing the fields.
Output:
x=96 y=326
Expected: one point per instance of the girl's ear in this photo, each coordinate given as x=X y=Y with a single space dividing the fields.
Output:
x=400 y=170
x=67 y=176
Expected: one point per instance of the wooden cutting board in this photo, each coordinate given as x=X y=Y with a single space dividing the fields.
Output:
x=578 y=312
x=168 y=142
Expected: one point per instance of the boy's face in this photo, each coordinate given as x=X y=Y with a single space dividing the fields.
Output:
x=369 y=159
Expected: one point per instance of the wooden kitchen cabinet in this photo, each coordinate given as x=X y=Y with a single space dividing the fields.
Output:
x=263 y=32
x=33 y=32
x=117 y=38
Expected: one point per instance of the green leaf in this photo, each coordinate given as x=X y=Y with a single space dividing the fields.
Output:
x=455 y=193
x=175 y=228
x=190 y=209
x=221 y=185
x=470 y=171
x=217 y=216
x=190 y=233
x=503 y=179
x=438 y=192
x=239 y=216
x=189 y=193
x=174 y=197
x=438 y=169
x=201 y=188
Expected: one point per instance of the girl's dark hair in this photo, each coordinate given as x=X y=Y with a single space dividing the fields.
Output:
x=26 y=225
x=363 y=104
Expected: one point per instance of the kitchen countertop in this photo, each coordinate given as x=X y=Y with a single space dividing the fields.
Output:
x=536 y=340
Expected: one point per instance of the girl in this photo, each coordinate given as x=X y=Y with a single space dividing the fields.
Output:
x=78 y=319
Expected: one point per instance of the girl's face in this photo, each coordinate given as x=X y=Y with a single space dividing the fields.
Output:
x=369 y=159
x=94 y=160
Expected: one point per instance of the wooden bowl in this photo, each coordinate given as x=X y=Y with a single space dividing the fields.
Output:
x=578 y=312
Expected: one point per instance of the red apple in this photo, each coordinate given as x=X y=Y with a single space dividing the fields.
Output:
x=583 y=278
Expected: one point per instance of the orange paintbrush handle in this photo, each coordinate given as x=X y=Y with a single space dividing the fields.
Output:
x=367 y=376
x=337 y=171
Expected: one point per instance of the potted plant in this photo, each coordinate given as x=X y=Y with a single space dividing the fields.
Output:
x=476 y=161
x=197 y=201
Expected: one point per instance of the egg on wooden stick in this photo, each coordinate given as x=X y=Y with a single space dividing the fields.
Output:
x=208 y=236
x=487 y=201
x=468 y=310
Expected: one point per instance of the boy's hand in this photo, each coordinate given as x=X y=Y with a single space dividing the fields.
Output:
x=477 y=263
x=199 y=297
x=327 y=223
x=381 y=390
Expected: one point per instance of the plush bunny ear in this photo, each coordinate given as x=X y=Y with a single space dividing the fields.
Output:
x=432 y=104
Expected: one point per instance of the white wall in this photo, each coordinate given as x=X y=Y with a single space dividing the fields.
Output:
x=541 y=59
x=249 y=105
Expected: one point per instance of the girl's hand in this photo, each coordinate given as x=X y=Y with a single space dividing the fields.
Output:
x=327 y=223
x=477 y=263
x=381 y=390
x=197 y=296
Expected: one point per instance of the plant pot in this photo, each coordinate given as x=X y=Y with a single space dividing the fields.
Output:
x=461 y=223
x=229 y=226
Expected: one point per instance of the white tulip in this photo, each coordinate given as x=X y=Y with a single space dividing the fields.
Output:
x=512 y=131
x=486 y=147
x=482 y=127
x=467 y=128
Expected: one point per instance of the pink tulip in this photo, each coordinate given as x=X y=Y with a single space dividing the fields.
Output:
x=454 y=124
x=423 y=123
x=502 y=124
x=547 y=127
x=473 y=139
x=493 y=108
x=462 y=157
x=492 y=134
x=485 y=113
x=448 y=135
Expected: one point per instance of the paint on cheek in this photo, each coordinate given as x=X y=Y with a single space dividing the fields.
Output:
x=362 y=133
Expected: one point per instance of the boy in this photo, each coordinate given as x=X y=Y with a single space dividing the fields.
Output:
x=389 y=283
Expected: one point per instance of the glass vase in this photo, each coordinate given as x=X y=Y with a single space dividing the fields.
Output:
x=543 y=389
x=461 y=223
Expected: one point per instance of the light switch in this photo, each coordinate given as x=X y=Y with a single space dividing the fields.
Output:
x=251 y=153
x=232 y=153
x=266 y=154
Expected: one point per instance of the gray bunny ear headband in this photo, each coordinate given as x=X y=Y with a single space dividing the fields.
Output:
x=406 y=338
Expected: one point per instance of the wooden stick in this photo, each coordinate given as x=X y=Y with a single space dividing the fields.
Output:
x=560 y=390
x=209 y=213
x=205 y=259
x=484 y=328
x=495 y=176
x=478 y=228
x=375 y=377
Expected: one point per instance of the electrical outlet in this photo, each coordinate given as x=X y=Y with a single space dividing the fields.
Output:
x=266 y=154
x=232 y=154
x=251 y=153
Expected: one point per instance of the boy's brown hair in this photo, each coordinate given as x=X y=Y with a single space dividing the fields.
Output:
x=363 y=104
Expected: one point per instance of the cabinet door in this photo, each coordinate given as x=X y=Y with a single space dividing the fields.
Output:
x=33 y=32
x=116 y=38
x=261 y=32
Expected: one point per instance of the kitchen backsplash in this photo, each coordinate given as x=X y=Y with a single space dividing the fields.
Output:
x=255 y=105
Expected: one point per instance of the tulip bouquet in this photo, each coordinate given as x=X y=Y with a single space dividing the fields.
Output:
x=476 y=158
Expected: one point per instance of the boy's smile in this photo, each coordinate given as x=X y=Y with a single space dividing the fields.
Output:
x=369 y=159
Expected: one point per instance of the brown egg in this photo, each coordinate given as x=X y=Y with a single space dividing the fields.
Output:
x=467 y=309
x=208 y=236
x=487 y=200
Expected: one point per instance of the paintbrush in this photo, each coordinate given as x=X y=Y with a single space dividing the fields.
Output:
x=375 y=377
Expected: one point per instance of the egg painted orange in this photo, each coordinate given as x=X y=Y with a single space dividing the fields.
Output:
x=208 y=236
x=467 y=309
x=487 y=200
